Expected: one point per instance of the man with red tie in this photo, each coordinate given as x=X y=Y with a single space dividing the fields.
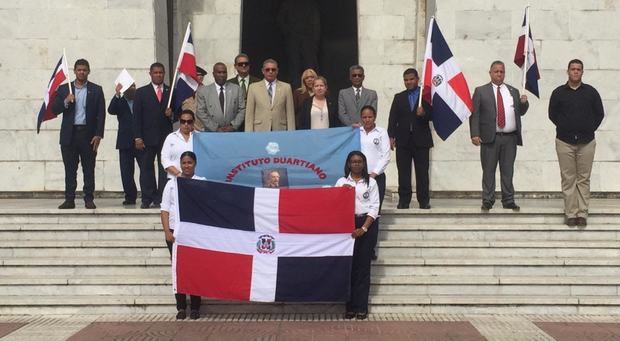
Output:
x=152 y=123
x=495 y=126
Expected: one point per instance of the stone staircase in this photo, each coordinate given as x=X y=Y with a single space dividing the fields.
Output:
x=445 y=260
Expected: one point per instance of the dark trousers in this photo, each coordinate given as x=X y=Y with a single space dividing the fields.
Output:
x=151 y=189
x=380 y=179
x=79 y=150
x=420 y=157
x=503 y=151
x=181 y=299
x=126 y=159
x=360 y=269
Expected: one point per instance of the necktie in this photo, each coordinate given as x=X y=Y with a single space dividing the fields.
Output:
x=501 y=114
x=243 y=89
x=270 y=93
x=411 y=101
x=159 y=93
x=357 y=95
x=222 y=98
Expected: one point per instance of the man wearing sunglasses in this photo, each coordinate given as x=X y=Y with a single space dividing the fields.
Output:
x=243 y=78
x=270 y=102
x=352 y=100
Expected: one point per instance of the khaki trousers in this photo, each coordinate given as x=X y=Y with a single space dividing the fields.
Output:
x=575 y=168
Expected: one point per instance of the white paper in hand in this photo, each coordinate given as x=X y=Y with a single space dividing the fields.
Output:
x=125 y=79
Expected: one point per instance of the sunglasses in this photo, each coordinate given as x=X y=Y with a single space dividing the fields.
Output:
x=357 y=75
x=186 y=121
x=271 y=70
x=243 y=64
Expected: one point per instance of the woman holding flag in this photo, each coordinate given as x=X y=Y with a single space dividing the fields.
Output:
x=365 y=233
x=168 y=209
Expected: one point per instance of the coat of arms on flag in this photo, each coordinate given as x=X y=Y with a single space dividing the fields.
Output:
x=261 y=244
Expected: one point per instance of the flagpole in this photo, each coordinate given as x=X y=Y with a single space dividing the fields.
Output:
x=428 y=37
x=176 y=69
x=64 y=60
x=526 y=47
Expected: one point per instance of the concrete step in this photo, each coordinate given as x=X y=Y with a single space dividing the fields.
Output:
x=19 y=236
x=59 y=252
x=516 y=234
x=471 y=219
x=89 y=226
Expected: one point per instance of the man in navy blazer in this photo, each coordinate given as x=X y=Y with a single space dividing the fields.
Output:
x=122 y=108
x=152 y=123
x=81 y=131
x=410 y=134
x=495 y=126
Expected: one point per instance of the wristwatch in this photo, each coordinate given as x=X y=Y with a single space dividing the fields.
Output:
x=365 y=229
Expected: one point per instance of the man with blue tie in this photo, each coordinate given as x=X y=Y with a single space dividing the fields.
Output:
x=410 y=134
x=122 y=107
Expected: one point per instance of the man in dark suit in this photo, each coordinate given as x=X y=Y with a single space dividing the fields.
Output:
x=81 y=131
x=152 y=124
x=495 y=126
x=243 y=78
x=351 y=100
x=122 y=108
x=410 y=134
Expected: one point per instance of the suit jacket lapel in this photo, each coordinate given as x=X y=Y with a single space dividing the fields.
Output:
x=215 y=98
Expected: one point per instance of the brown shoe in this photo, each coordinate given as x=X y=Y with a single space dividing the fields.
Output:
x=581 y=222
x=570 y=222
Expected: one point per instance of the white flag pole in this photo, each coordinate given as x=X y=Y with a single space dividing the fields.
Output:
x=526 y=47
x=66 y=67
x=176 y=69
x=429 y=32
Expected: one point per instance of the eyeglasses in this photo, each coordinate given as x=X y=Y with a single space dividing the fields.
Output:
x=357 y=75
x=243 y=64
x=186 y=121
x=270 y=69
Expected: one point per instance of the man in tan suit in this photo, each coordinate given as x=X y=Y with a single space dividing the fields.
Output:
x=270 y=102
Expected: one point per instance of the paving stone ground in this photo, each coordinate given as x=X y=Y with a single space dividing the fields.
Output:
x=324 y=327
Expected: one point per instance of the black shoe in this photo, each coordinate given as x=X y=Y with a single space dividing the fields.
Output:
x=67 y=205
x=90 y=205
x=349 y=315
x=486 y=206
x=512 y=206
x=181 y=315
x=425 y=207
x=145 y=205
x=402 y=206
x=361 y=316
x=570 y=222
x=194 y=315
x=581 y=222
x=129 y=202
x=155 y=205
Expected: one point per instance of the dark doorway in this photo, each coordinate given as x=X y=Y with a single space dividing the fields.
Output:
x=263 y=37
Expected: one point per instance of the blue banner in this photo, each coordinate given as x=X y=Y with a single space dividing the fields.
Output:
x=303 y=158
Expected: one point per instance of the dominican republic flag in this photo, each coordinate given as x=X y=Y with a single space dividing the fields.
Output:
x=445 y=87
x=59 y=77
x=187 y=78
x=262 y=244
x=528 y=65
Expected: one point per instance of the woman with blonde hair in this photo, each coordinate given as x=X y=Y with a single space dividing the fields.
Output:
x=304 y=91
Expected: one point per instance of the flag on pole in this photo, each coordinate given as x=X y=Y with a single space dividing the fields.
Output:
x=59 y=76
x=263 y=244
x=529 y=66
x=186 y=76
x=445 y=88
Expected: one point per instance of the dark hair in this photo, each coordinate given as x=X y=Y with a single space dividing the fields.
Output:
x=347 y=169
x=371 y=108
x=190 y=154
x=356 y=67
x=83 y=62
x=158 y=65
x=241 y=55
x=497 y=62
x=220 y=64
x=187 y=111
x=575 y=61
x=411 y=71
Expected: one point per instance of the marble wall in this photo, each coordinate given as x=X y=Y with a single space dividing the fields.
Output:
x=115 y=34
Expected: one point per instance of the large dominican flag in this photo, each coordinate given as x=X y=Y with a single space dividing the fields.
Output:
x=269 y=245
x=187 y=78
x=59 y=77
x=445 y=87
x=528 y=65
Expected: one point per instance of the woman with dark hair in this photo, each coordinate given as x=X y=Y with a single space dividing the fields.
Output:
x=318 y=111
x=177 y=142
x=365 y=233
x=168 y=209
